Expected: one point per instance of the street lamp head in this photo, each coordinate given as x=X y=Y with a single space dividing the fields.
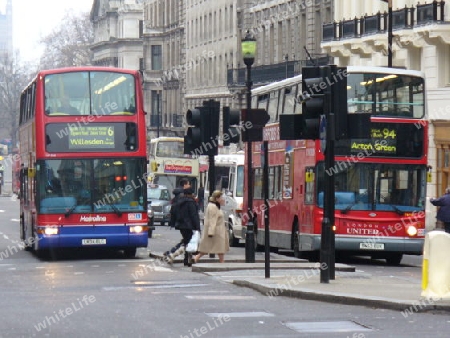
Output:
x=248 y=46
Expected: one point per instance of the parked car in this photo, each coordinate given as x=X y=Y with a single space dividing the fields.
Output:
x=151 y=220
x=159 y=197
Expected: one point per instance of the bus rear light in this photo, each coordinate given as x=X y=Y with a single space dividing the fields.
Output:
x=138 y=229
x=411 y=231
x=48 y=231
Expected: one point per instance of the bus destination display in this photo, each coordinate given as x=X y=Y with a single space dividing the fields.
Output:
x=87 y=137
x=92 y=137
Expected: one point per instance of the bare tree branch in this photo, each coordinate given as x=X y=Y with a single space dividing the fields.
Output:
x=68 y=44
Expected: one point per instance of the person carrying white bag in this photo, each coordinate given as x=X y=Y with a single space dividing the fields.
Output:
x=215 y=234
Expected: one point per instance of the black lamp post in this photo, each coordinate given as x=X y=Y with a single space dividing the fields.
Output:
x=158 y=113
x=248 y=47
x=390 y=35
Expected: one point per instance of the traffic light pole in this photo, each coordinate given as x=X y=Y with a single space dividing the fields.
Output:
x=327 y=256
x=250 y=235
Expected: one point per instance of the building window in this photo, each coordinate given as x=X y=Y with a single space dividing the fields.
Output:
x=156 y=57
x=141 y=28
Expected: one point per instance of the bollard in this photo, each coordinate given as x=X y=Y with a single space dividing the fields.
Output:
x=436 y=265
x=250 y=244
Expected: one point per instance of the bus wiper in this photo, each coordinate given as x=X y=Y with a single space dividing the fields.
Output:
x=71 y=210
x=397 y=210
x=348 y=208
x=116 y=209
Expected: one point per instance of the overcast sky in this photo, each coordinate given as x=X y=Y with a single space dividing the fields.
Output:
x=33 y=19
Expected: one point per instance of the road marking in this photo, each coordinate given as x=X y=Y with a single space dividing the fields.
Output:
x=220 y=297
x=240 y=314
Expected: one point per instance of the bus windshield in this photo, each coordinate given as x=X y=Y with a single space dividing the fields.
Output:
x=170 y=149
x=90 y=185
x=386 y=94
x=90 y=93
x=381 y=187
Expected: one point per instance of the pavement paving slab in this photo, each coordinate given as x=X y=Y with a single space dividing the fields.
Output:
x=299 y=278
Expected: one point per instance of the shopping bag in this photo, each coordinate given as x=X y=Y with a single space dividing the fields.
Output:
x=194 y=242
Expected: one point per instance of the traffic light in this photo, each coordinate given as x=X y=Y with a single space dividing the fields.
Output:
x=202 y=133
x=339 y=102
x=230 y=125
x=314 y=100
x=197 y=119
x=253 y=122
x=212 y=135
x=347 y=126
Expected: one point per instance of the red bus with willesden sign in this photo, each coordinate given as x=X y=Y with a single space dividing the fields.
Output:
x=380 y=182
x=83 y=157
x=169 y=164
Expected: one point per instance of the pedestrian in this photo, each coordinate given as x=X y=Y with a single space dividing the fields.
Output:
x=443 y=213
x=201 y=197
x=178 y=193
x=187 y=220
x=215 y=234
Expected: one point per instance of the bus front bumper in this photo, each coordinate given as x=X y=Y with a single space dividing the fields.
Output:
x=93 y=236
x=369 y=245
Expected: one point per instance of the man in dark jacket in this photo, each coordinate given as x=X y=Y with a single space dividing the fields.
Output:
x=187 y=220
x=178 y=193
x=443 y=213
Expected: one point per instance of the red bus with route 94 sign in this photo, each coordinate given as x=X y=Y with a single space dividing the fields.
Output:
x=83 y=180
x=380 y=182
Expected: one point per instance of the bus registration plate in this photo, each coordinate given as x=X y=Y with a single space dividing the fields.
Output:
x=93 y=241
x=371 y=246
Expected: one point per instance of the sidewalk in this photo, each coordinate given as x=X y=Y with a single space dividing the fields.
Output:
x=301 y=279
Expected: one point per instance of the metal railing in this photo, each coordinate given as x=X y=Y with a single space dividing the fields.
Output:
x=404 y=18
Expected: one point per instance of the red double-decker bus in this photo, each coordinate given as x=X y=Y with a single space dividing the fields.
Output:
x=83 y=160
x=381 y=181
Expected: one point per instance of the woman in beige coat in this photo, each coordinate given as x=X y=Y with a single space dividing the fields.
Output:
x=215 y=234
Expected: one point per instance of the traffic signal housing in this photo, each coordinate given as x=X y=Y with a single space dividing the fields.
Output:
x=313 y=100
x=203 y=131
x=197 y=120
x=339 y=102
x=253 y=121
x=230 y=125
x=211 y=140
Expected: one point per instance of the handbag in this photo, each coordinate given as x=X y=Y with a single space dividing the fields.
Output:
x=194 y=242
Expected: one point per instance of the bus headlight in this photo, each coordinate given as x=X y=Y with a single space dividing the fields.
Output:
x=411 y=231
x=48 y=231
x=137 y=229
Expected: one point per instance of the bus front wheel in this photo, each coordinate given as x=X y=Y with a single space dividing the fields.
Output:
x=130 y=252
x=394 y=259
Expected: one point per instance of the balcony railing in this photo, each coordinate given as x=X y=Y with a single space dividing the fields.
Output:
x=265 y=74
x=404 y=18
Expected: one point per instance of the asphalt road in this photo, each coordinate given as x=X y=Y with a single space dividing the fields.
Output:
x=102 y=294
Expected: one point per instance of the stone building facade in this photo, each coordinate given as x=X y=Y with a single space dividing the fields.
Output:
x=190 y=50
